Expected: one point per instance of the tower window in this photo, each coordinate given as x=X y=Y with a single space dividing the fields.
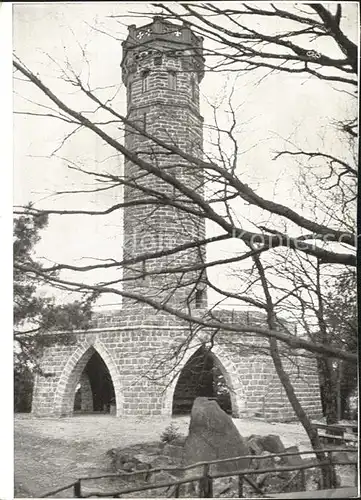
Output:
x=130 y=88
x=145 y=122
x=199 y=299
x=145 y=80
x=172 y=80
x=144 y=269
x=158 y=60
x=193 y=89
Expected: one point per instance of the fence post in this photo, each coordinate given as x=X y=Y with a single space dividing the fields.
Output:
x=356 y=475
x=240 y=486
x=332 y=472
x=303 y=479
x=77 y=489
x=206 y=484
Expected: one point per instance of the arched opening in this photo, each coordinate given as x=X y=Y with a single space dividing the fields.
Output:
x=90 y=380
x=95 y=390
x=145 y=80
x=172 y=80
x=201 y=376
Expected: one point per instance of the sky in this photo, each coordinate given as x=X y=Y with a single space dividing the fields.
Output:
x=279 y=109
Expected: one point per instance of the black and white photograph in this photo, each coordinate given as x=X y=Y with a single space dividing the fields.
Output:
x=184 y=249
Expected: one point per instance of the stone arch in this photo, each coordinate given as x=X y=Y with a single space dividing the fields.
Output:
x=70 y=377
x=229 y=371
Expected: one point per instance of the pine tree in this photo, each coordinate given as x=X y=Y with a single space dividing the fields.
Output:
x=38 y=319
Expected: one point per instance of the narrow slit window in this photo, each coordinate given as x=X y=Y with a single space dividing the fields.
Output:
x=144 y=269
x=199 y=299
x=145 y=122
x=145 y=81
x=130 y=88
x=193 y=89
x=172 y=80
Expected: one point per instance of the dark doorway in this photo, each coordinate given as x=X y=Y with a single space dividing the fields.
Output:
x=95 y=391
x=201 y=376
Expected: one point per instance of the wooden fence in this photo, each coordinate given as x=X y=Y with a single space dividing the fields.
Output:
x=206 y=479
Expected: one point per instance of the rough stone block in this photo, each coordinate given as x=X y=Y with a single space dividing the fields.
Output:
x=213 y=435
x=273 y=443
x=293 y=460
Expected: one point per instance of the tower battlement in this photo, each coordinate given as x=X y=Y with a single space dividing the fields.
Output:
x=162 y=38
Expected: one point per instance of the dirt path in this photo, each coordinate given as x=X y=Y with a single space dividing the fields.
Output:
x=52 y=452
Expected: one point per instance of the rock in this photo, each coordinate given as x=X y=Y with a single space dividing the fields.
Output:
x=313 y=479
x=179 y=441
x=121 y=461
x=143 y=458
x=266 y=462
x=213 y=435
x=225 y=487
x=273 y=483
x=342 y=456
x=173 y=451
x=254 y=444
x=292 y=460
x=162 y=477
x=160 y=461
x=127 y=466
x=272 y=443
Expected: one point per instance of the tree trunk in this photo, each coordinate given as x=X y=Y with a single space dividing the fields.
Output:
x=328 y=473
x=327 y=369
x=338 y=391
x=329 y=390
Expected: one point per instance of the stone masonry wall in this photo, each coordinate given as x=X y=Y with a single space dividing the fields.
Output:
x=162 y=81
x=135 y=354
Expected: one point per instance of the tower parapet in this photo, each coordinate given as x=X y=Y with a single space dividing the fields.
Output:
x=161 y=38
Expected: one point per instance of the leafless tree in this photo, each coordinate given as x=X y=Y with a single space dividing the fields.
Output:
x=278 y=37
x=286 y=229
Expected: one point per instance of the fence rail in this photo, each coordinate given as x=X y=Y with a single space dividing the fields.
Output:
x=205 y=480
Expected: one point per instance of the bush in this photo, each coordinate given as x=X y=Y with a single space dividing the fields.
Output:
x=170 y=434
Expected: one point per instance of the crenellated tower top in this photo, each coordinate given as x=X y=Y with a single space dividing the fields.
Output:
x=162 y=38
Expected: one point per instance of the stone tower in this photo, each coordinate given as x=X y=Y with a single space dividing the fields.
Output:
x=162 y=68
x=138 y=361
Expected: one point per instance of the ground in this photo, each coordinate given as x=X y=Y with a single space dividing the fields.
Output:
x=50 y=453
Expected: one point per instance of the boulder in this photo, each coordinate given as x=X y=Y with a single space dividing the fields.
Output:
x=178 y=441
x=173 y=451
x=272 y=443
x=254 y=444
x=292 y=460
x=162 y=477
x=226 y=487
x=125 y=462
x=266 y=462
x=212 y=436
x=343 y=456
